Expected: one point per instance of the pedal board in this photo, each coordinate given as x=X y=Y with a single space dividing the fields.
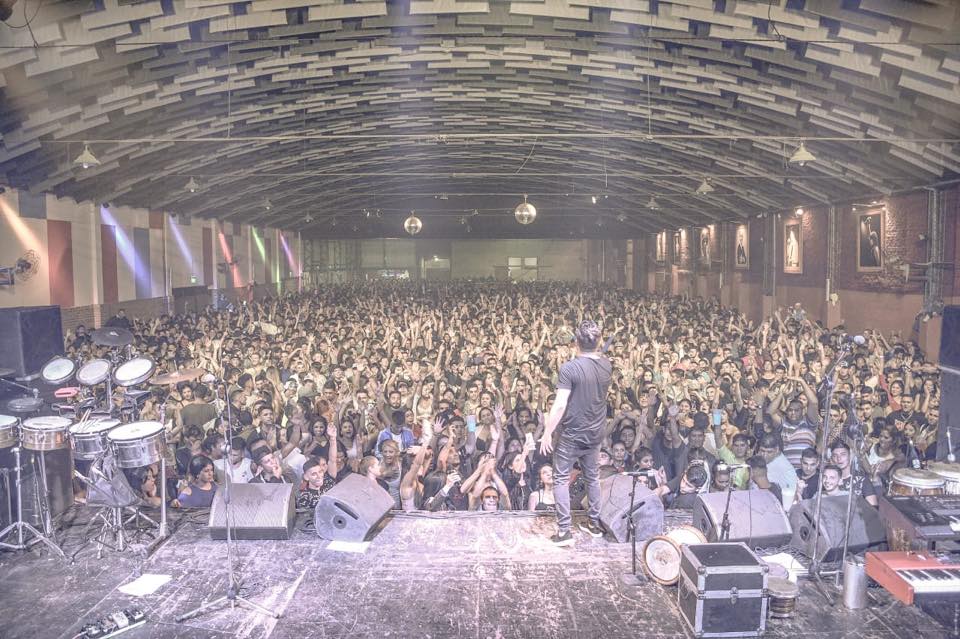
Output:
x=113 y=624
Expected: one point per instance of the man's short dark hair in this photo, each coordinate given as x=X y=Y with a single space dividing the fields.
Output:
x=757 y=462
x=587 y=335
x=809 y=453
x=771 y=440
x=839 y=443
x=740 y=437
x=696 y=475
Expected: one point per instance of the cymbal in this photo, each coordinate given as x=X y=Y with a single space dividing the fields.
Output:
x=7 y=372
x=25 y=404
x=111 y=336
x=185 y=375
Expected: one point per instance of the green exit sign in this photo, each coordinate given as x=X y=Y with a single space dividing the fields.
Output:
x=193 y=279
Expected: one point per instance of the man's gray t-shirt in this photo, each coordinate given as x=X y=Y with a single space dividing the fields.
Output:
x=588 y=379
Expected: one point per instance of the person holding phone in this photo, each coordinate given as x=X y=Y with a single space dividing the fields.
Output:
x=580 y=410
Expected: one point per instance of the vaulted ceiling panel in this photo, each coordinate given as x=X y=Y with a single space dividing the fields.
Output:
x=347 y=115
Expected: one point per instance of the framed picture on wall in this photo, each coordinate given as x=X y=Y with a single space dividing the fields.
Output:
x=741 y=250
x=792 y=246
x=705 y=246
x=662 y=246
x=870 y=239
x=676 y=247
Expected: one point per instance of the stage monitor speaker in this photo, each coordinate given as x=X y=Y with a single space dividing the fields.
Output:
x=351 y=509
x=29 y=336
x=258 y=511
x=756 y=517
x=866 y=529
x=615 y=503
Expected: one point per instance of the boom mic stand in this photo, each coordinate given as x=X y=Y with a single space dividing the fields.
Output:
x=632 y=525
x=234 y=578
x=829 y=383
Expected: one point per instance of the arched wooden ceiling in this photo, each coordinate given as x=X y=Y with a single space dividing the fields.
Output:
x=347 y=115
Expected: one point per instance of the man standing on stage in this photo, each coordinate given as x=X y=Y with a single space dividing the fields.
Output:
x=580 y=408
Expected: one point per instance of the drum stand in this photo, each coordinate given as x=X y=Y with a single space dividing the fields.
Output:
x=115 y=526
x=234 y=578
x=20 y=526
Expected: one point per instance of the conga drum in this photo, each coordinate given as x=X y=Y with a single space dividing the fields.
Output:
x=911 y=481
x=950 y=474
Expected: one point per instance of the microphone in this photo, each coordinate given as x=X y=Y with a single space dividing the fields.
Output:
x=635 y=508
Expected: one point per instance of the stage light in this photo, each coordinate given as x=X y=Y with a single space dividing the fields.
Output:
x=798 y=212
x=192 y=185
x=704 y=187
x=267 y=204
x=87 y=158
x=593 y=198
x=525 y=212
x=652 y=204
x=801 y=156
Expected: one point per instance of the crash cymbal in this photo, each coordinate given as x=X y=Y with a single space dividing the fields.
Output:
x=112 y=336
x=185 y=375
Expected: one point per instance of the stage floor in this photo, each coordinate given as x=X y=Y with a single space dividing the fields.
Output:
x=431 y=576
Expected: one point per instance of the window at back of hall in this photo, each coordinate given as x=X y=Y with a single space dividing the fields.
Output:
x=522 y=268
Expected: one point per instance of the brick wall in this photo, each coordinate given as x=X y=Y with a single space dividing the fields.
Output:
x=951 y=233
x=70 y=318
x=905 y=220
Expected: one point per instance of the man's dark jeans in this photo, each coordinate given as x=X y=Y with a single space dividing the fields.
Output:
x=564 y=457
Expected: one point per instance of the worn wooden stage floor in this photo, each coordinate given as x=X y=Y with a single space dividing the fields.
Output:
x=467 y=575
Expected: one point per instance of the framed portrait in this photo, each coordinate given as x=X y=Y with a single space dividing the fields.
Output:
x=792 y=247
x=662 y=246
x=676 y=247
x=705 y=246
x=870 y=240
x=741 y=244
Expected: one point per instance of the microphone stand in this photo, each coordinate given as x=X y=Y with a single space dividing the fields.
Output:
x=632 y=526
x=234 y=578
x=829 y=383
x=857 y=430
x=725 y=520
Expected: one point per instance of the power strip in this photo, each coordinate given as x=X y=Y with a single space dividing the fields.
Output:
x=113 y=624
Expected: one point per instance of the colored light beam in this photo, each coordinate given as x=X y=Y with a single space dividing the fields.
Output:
x=259 y=243
x=23 y=233
x=277 y=266
x=127 y=250
x=291 y=260
x=182 y=245
x=228 y=256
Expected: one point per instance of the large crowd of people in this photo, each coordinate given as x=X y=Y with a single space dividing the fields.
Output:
x=439 y=393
